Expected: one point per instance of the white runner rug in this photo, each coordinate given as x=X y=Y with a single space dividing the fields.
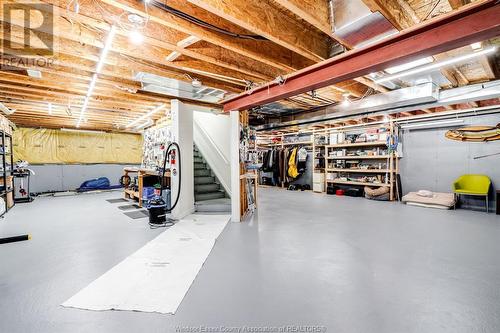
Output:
x=156 y=277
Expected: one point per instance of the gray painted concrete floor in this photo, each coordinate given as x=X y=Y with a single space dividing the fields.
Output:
x=348 y=264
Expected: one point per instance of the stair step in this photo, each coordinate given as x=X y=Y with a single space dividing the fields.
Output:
x=206 y=188
x=209 y=196
x=214 y=205
x=198 y=160
x=198 y=166
x=200 y=180
x=202 y=172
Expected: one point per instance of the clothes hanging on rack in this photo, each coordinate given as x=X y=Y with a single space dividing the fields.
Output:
x=301 y=160
x=286 y=164
x=292 y=164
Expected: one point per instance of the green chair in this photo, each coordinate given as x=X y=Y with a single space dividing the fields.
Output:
x=478 y=185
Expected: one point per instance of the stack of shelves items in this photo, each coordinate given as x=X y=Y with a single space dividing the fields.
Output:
x=6 y=182
x=362 y=158
x=248 y=168
x=320 y=142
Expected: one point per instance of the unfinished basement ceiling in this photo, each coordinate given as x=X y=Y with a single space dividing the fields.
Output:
x=224 y=46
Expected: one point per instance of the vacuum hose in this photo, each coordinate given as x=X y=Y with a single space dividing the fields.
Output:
x=180 y=173
x=158 y=209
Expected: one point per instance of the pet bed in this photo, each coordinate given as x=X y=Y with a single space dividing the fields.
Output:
x=433 y=200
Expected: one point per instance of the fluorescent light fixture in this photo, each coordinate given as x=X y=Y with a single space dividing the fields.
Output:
x=147 y=123
x=6 y=110
x=147 y=115
x=188 y=41
x=437 y=65
x=34 y=73
x=105 y=50
x=172 y=56
x=81 y=131
x=346 y=101
x=476 y=46
x=92 y=85
x=196 y=83
x=50 y=108
x=100 y=64
x=136 y=37
x=433 y=124
x=409 y=65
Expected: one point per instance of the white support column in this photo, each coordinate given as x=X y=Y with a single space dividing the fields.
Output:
x=182 y=132
x=235 y=166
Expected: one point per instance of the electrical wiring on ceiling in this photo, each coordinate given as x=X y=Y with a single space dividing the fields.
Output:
x=202 y=23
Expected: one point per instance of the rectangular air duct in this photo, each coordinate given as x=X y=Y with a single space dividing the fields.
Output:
x=172 y=87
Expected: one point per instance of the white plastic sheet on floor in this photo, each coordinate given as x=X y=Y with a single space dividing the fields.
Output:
x=156 y=277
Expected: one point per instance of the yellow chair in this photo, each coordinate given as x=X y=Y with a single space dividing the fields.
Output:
x=477 y=185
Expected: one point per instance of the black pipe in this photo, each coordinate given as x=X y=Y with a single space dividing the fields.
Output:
x=14 y=239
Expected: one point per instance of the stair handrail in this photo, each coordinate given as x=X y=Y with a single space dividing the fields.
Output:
x=205 y=134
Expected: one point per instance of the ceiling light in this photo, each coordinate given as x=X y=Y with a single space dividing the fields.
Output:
x=188 y=41
x=172 y=56
x=50 y=109
x=147 y=115
x=476 y=46
x=386 y=119
x=92 y=85
x=147 y=123
x=100 y=64
x=433 y=124
x=105 y=50
x=196 y=83
x=135 y=19
x=81 y=131
x=437 y=65
x=6 y=110
x=409 y=65
x=34 y=73
x=136 y=37
x=346 y=101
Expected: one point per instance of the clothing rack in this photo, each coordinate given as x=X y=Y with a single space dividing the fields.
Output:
x=308 y=145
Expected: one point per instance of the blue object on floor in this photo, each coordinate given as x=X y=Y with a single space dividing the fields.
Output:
x=101 y=183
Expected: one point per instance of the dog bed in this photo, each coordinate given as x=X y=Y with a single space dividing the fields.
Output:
x=379 y=194
x=436 y=200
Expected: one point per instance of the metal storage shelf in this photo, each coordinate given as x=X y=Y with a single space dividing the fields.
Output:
x=7 y=169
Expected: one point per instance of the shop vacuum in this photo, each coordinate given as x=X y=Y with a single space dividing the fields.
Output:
x=157 y=207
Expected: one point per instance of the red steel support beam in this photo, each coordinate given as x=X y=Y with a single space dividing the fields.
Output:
x=472 y=23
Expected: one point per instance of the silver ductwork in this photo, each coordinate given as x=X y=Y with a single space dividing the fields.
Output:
x=402 y=100
x=166 y=86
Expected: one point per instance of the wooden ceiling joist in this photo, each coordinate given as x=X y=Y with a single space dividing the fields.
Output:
x=262 y=51
x=262 y=19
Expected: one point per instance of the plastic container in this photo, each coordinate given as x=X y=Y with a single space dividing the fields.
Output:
x=148 y=193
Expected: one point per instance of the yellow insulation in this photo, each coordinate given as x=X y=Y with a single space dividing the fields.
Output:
x=48 y=146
